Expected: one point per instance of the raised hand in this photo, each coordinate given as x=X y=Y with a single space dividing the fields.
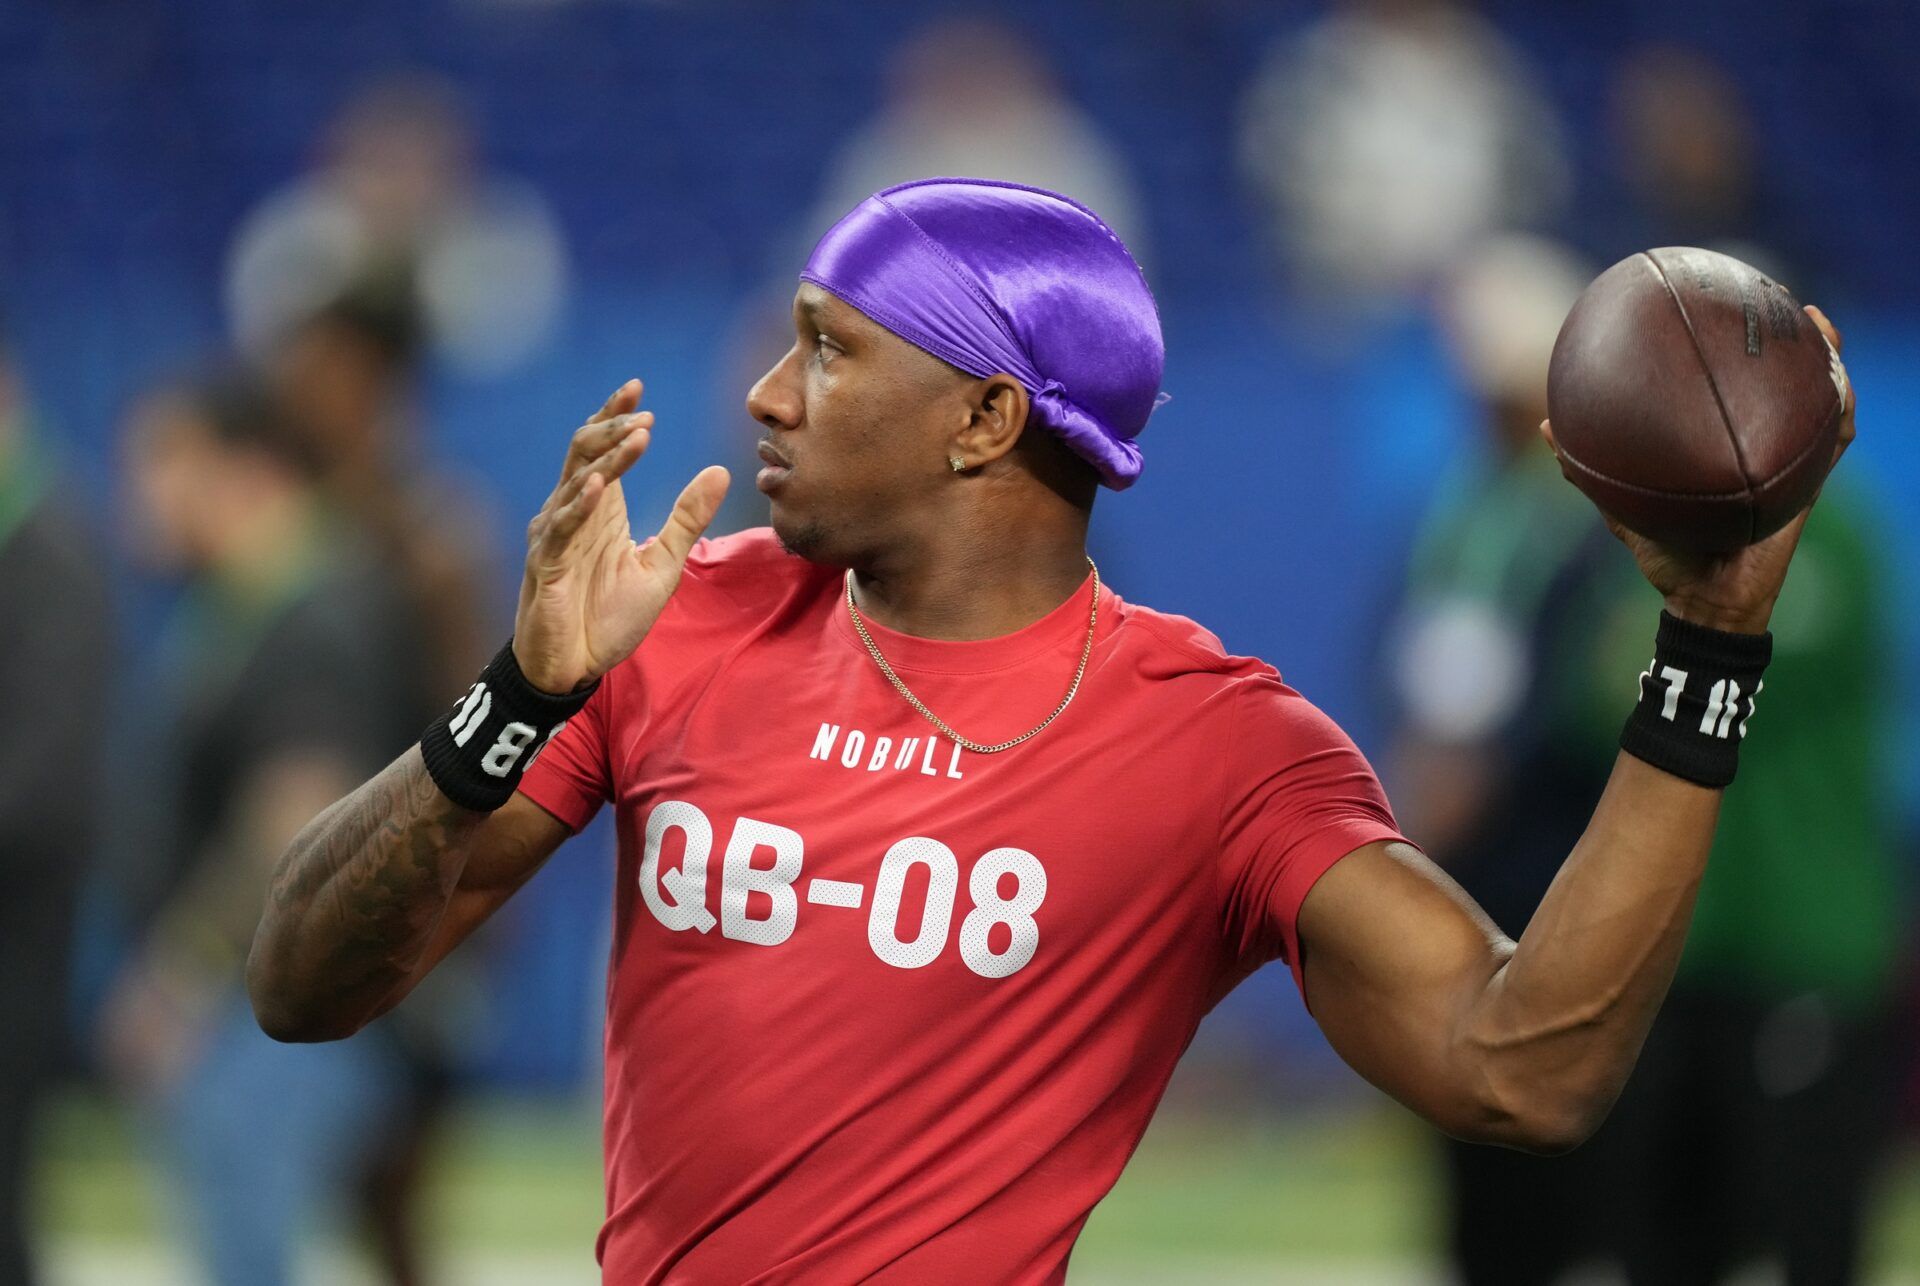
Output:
x=1733 y=591
x=591 y=593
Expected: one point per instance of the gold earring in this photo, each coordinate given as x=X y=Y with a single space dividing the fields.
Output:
x=957 y=463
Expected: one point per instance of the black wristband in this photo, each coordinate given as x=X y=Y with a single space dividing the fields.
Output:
x=476 y=752
x=1695 y=700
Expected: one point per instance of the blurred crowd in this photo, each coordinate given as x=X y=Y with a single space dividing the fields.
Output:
x=325 y=584
x=323 y=599
x=1765 y=1101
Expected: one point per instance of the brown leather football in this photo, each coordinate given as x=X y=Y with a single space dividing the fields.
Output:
x=1693 y=400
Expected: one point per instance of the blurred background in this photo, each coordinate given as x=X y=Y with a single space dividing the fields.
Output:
x=298 y=303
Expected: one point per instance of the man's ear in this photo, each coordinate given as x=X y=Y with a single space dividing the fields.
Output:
x=997 y=417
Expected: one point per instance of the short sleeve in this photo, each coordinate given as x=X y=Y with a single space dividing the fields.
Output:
x=1299 y=796
x=571 y=775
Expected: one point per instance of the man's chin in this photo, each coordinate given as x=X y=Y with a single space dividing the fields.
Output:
x=801 y=538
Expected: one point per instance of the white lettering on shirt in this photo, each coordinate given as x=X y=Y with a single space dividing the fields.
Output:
x=687 y=883
x=835 y=893
x=900 y=933
x=850 y=753
x=823 y=741
x=739 y=877
x=858 y=751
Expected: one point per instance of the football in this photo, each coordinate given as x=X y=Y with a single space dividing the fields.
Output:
x=1693 y=400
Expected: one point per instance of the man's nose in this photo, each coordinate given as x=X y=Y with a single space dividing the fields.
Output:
x=774 y=400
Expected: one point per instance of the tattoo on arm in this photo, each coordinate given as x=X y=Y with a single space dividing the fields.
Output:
x=356 y=897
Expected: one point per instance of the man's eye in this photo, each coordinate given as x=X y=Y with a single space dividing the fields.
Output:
x=824 y=348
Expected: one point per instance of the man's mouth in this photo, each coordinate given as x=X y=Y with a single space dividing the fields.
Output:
x=778 y=467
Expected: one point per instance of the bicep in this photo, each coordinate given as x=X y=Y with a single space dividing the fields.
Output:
x=1394 y=953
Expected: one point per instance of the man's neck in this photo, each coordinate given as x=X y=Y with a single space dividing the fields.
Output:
x=971 y=586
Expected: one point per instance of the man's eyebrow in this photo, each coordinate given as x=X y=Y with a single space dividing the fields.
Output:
x=824 y=313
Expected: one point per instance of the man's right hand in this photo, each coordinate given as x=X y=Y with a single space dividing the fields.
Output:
x=591 y=593
x=1733 y=592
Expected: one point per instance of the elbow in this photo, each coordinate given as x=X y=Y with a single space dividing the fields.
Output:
x=1554 y=1123
x=287 y=1016
x=1541 y=1134
x=1541 y=1115
x=283 y=1024
x=1557 y=1134
x=291 y=1024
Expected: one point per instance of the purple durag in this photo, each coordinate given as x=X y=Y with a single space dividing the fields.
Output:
x=996 y=277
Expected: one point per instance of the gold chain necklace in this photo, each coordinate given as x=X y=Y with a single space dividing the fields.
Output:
x=1093 y=617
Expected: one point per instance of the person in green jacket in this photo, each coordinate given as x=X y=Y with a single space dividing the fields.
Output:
x=1487 y=661
x=1757 y=1119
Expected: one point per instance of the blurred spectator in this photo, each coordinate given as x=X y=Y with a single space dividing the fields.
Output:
x=1763 y=1107
x=1512 y=570
x=1758 y=1117
x=397 y=197
x=1387 y=138
x=971 y=98
x=284 y=688
x=53 y=686
x=353 y=368
x=1684 y=142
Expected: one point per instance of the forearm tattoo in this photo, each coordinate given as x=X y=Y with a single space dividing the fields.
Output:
x=356 y=897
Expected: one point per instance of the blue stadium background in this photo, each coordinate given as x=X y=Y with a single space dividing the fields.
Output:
x=682 y=146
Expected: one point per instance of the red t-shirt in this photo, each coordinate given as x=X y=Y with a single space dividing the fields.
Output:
x=881 y=1008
